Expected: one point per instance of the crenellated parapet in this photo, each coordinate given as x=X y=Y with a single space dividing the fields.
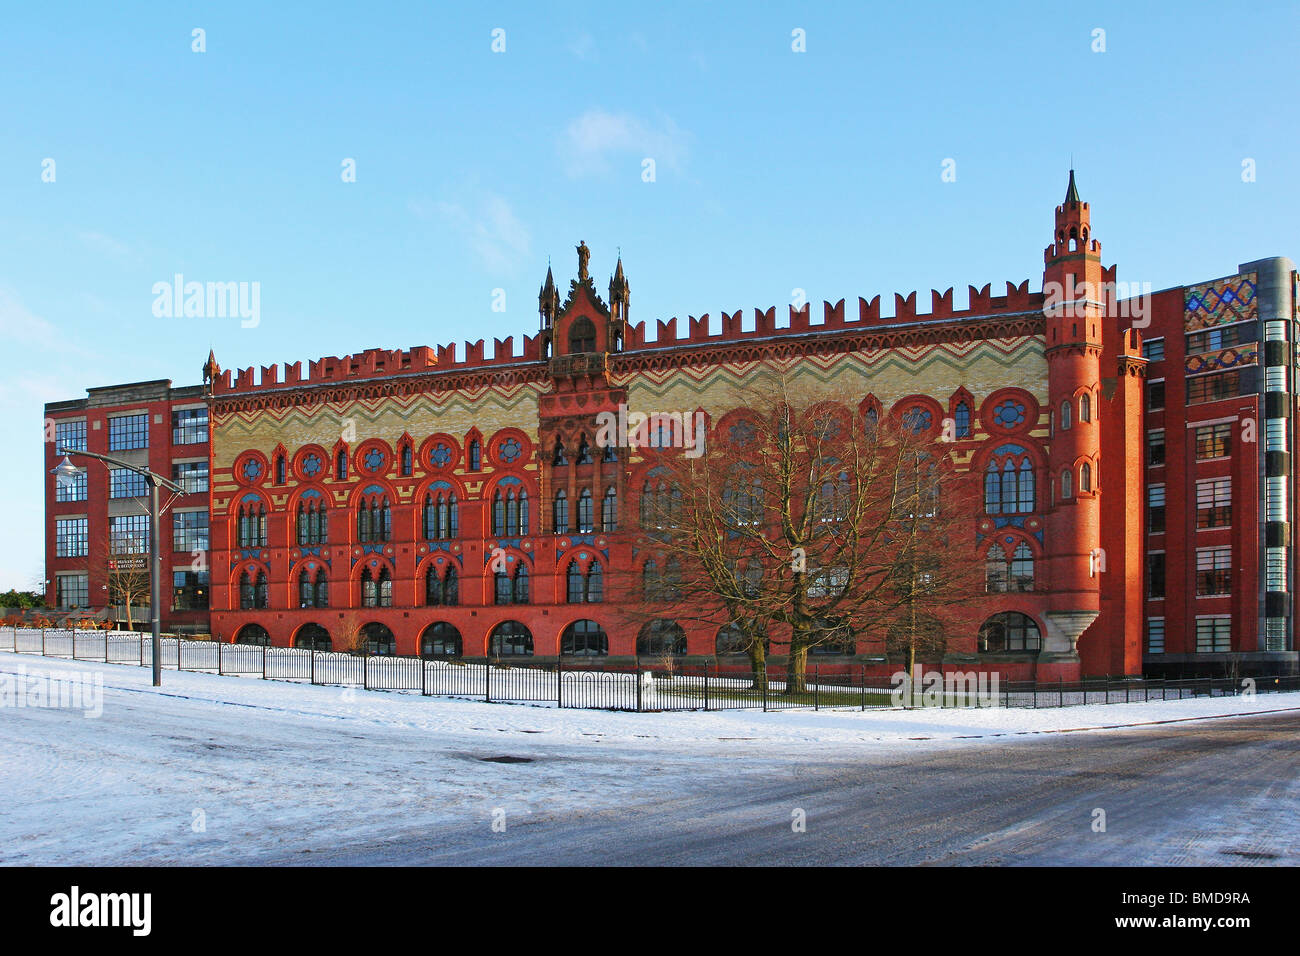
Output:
x=424 y=360
x=375 y=364
x=1018 y=299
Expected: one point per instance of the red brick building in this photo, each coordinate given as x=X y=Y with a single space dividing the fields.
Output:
x=102 y=520
x=1119 y=528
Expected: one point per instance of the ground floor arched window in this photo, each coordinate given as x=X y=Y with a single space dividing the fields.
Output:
x=1010 y=631
x=511 y=639
x=379 y=639
x=584 y=639
x=661 y=638
x=253 y=634
x=313 y=637
x=441 y=639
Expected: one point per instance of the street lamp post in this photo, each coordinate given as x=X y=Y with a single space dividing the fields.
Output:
x=64 y=473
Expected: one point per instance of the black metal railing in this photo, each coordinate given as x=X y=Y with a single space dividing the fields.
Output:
x=661 y=685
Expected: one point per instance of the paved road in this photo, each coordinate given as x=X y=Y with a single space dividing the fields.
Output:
x=1213 y=792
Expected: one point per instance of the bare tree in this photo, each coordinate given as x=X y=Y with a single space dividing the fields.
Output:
x=126 y=565
x=808 y=517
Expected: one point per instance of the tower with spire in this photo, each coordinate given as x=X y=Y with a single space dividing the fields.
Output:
x=1074 y=307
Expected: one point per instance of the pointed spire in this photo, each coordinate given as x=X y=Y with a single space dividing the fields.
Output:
x=1072 y=192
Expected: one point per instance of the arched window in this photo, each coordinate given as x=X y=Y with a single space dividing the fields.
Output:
x=584 y=452
x=511 y=524
x=501 y=587
x=1065 y=415
x=441 y=589
x=322 y=589
x=731 y=639
x=1022 y=569
x=341 y=465
x=279 y=469
x=475 y=455
x=1015 y=574
x=1009 y=481
x=1085 y=477
x=521 y=590
x=585 y=515
x=1085 y=408
x=672 y=579
x=379 y=639
x=376 y=588
x=573 y=583
x=523 y=514
x=498 y=514
x=582 y=336
x=961 y=419
x=559 y=457
x=661 y=638
x=584 y=639
x=374 y=519
x=260 y=591
x=441 y=639
x=651 y=582
x=561 y=512
x=1009 y=631
x=441 y=516
x=311 y=522
x=511 y=639
x=595 y=583
x=313 y=637
x=306 y=591
x=1066 y=490
x=408 y=461
x=253 y=634
x=252 y=525
x=245 y=592
x=609 y=510
x=995 y=569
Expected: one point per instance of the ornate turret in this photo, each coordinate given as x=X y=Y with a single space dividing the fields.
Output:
x=210 y=371
x=548 y=300
x=619 y=299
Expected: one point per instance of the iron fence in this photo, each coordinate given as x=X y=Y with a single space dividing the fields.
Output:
x=658 y=687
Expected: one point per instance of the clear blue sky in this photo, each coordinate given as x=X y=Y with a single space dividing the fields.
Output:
x=775 y=170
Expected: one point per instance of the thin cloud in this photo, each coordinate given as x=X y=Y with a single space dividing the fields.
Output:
x=595 y=141
x=487 y=223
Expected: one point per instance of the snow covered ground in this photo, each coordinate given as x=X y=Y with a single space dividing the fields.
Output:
x=236 y=769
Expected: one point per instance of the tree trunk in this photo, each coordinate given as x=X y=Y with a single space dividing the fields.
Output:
x=911 y=669
x=796 y=668
x=758 y=663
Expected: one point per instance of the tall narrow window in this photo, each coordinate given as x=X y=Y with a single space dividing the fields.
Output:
x=585 y=509
x=961 y=420
x=1085 y=408
x=341 y=466
x=1065 y=415
x=609 y=510
x=407 y=461
x=561 y=512
x=475 y=455
x=573 y=583
x=584 y=452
